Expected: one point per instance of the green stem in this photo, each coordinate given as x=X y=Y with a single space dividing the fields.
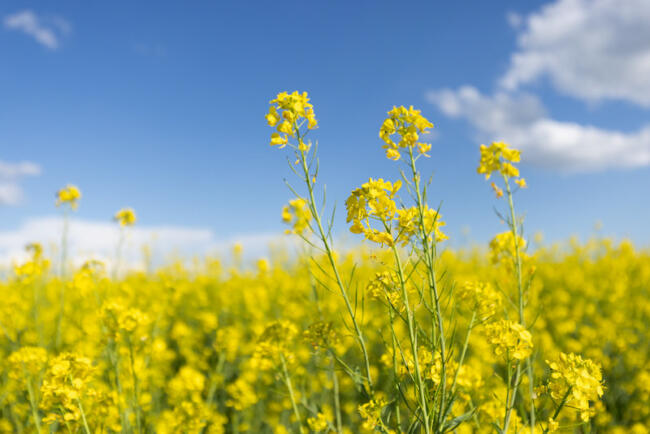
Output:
x=462 y=354
x=428 y=254
x=287 y=380
x=32 y=403
x=520 y=290
x=64 y=258
x=412 y=338
x=337 y=399
x=559 y=408
x=83 y=417
x=135 y=397
x=323 y=237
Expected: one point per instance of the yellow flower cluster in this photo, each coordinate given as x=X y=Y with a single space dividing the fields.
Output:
x=374 y=200
x=288 y=112
x=65 y=386
x=480 y=297
x=408 y=222
x=318 y=423
x=371 y=414
x=27 y=361
x=503 y=247
x=274 y=343
x=498 y=157
x=408 y=124
x=69 y=195
x=298 y=215
x=577 y=382
x=509 y=339
x=125 y=217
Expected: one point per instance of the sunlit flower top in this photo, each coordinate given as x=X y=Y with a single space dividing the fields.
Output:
x=510 y=339
x=503 y=248
x=69 y=195
x=408 y=124
x=288 y=113
x=498 y=157
x=577 y=380
x=125 y=217
x=297 y=214
x=375 y=200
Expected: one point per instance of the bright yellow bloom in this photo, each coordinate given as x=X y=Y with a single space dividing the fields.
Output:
x=125 y=217
x=510 y=338
x=318 y=423
x=498 y=158
x=503 y=248
x=27 y=361
x=69 y=195
x=294 y=109
x=298 y=215
x=373 y=200
x=371 y=414
x=579 y=380
x=65 y=385
x=409 y=224
x=480 y=297
x=408 y=124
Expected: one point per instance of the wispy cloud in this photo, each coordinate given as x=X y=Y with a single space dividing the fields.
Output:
x=521 y=119
x=95 y=239
x=45 y=31
x=11 y=192
x=589 y=49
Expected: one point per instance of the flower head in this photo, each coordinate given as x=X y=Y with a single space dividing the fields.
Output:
x=407 y=124
x=373 y=200
x=503 y=247
x=510 y=338
x=69 y=195
x=125 y=217
x=297 y=214
x=288 y=112
x=579 y=380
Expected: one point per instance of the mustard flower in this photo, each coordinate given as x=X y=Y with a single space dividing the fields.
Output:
x=318 y=423
x=69 y=195
x=502 y=247
x=577 y=380
x=509 y=338
x=498 y=158
x=375 y=199
x=408 y=124
x=298 y=215
x=480 y=297
x=125 y=217
x=408 y=224
x=27 y=361
x=66 y=383
x=371 y=414
x=321 y=335
x=288 y=112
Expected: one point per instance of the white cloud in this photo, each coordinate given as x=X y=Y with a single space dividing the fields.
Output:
x=10 y=174
x=92 y=239
x=46 y=31
x=590 y=49
x=521 y=120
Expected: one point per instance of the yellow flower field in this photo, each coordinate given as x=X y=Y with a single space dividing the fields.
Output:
x=399 y=334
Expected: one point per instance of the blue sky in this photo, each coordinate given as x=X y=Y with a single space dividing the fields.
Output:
x=160 y=105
